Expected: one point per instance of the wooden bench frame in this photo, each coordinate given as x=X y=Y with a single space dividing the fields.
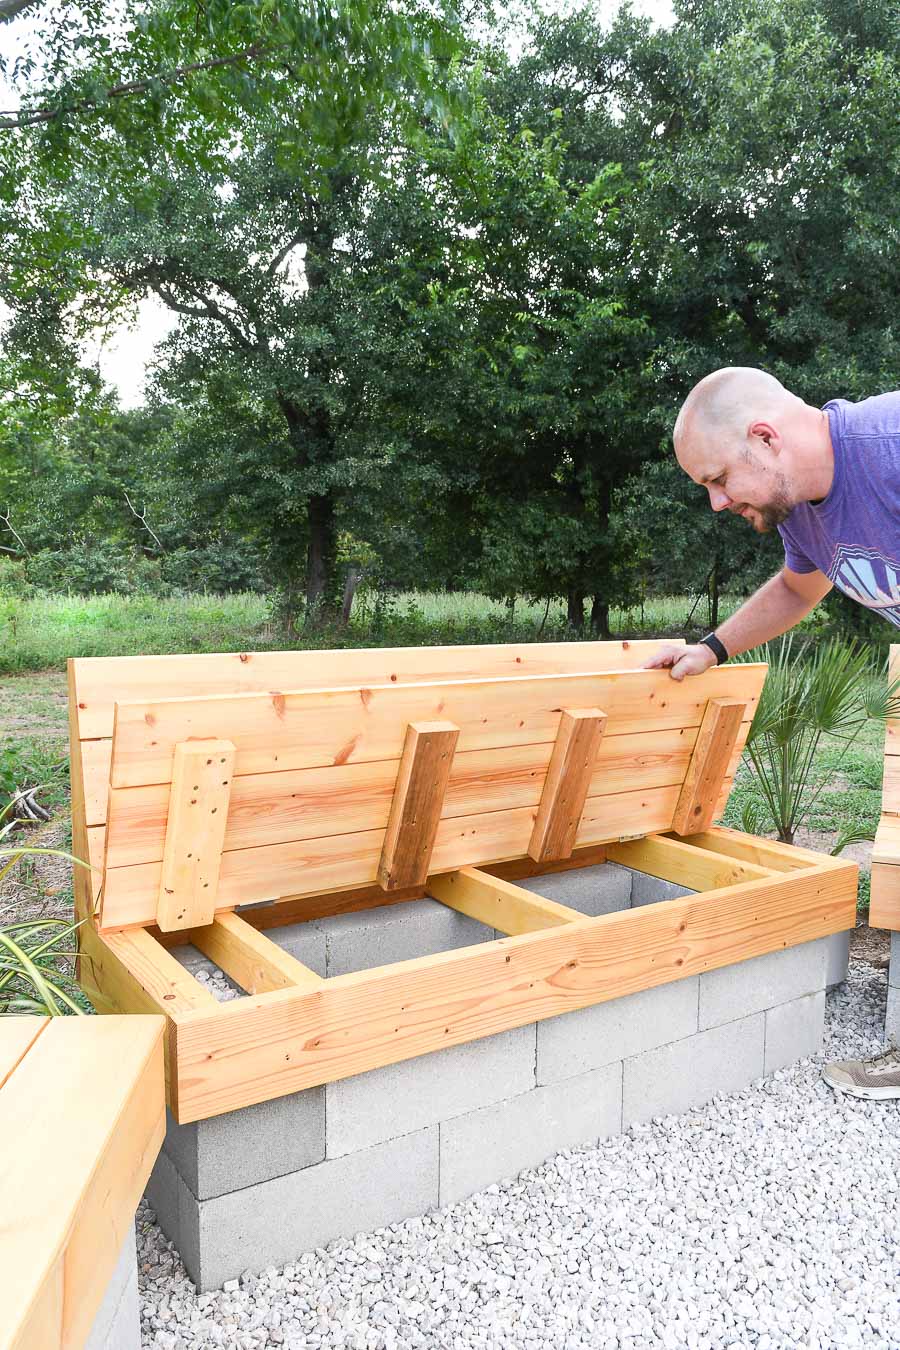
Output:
x=82 y=1119
x=295 y=1029
x=884 y=906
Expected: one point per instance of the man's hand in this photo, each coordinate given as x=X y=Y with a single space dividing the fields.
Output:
x=681 y=661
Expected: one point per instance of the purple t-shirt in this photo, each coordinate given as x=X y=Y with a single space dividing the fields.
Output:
x=853 y=534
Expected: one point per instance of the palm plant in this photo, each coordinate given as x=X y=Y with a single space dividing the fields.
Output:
x=30 y=950
x=830 y=692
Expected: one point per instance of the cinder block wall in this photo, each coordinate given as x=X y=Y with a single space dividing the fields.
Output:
x=892 y=1020
x=117 y=1325
x=257 y=1187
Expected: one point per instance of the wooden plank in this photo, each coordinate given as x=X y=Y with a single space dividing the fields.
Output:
x=417 y=802
x=97 y=683
x=195 y=832
x=709 y=764
x=886 y=848
x=762 y=852
x=497 y=903
x=83 y=884
x=17 y=1036
x=252 y=960
x=283 y=1042
x=682 y=863
x=275 y=808
x=95 y=761
x=86 y=1111
x=132 y=973
x=281 y=731
x=566 y=785
x=890 y=792
x=285 y=871
x=884 y=901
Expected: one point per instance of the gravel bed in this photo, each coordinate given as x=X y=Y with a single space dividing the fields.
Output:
x=767 y=1219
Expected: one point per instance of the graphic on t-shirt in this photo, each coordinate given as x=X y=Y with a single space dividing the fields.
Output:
x=870 y=577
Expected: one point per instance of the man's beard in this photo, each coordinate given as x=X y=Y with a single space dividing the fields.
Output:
x=771 y=516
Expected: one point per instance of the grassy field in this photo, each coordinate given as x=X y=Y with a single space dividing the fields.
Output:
x=39 y=634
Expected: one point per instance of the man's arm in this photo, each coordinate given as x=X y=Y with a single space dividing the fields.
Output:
x=777 y=606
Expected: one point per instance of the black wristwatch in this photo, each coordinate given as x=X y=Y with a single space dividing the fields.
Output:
x=716 y=647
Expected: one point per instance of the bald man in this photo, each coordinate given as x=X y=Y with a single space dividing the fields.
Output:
x=828 y=479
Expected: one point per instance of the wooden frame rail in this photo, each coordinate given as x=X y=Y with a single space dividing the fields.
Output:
x=884 y=905
x=293 y=1029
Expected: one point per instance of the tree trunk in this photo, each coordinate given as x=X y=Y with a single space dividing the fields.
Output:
x=713 y=588
x=600 y=618
x=576 y=610
x=320 y=561
x=351 y=581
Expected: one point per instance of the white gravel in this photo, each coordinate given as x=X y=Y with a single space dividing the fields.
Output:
x=767 y=1219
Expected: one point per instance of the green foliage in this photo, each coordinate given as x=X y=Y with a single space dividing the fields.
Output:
x=830 y=691
x=444 y=301
x=31 y=978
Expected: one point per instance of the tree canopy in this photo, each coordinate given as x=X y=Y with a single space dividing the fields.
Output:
x=439 y=294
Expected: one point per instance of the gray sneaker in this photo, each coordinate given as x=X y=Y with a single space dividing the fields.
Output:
x=876 y=1080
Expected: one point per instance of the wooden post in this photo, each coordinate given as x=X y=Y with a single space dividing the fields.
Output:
x=566 y=785
x=195 y=833
x=706 y=772
x=417 y=803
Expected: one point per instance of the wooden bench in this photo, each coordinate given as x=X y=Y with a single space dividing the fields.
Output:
x=82 y=1118
x=884 y=906
x=305 y=784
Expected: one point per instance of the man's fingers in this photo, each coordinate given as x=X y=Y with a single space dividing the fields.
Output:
x=666 y=656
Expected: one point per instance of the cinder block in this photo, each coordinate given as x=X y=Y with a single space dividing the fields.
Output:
x=647 y=890
x=499 y=1141
x=689 y=1073
x=162 y=1195
x=395 y=1100
x=794 y=1030
x=117 y=1324
x=305 y=941
x=576 y=1042
x=378 y=937
x=602 y=889
x=256 y=1143
x=892 y=1015
x=276 y=1221
x=762 y=982
x=837 y=958
x=894 y=967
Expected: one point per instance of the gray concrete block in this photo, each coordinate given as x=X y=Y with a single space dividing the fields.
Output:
x=689 y=1073
x=305 y=941
x=894 y=967
x=892 y=1015
x=602 y=889
x=794 y=1030
x=162 y=1195
x=399 y=1098
x=499 y=1141
x=256 y=1143
x=762 y=982
x=117 y=1323
x=380 y=936
x=277 y=1221
x=837 y=958
x=577 y=1042
x=647 y=890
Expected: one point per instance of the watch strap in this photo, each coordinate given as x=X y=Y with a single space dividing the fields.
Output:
x=716 y=647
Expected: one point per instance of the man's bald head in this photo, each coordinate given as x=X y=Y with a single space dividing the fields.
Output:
x=725 y=404
x=734 y=434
